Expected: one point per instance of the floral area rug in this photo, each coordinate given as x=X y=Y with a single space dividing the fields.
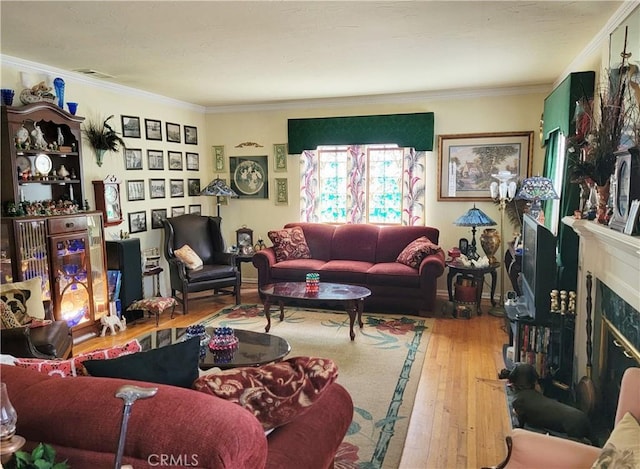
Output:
x=380 y=369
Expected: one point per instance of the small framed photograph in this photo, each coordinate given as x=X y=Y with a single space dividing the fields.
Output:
x=177 y=211
x=135 y=190
x=190 y=135
x=175 y=160
x=130 y=126
x=218 y=157
x=193 y=161
x=630 y=227
x=157 y=188
x=137 y=221
x=157 y=215
x=193 y=186
x=195 y=209
x=173 y=132
x=466 y=162
x=153 y=128
x=280 y=157
x=176 y=187
x=133 y=158
x=155 y=159
x=282 y=191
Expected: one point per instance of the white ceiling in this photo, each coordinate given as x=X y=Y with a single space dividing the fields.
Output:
x=214 y=53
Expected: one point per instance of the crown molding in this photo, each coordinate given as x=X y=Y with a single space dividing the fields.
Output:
x=74 y=77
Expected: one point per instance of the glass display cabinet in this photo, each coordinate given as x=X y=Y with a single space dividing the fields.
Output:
x=68 y=253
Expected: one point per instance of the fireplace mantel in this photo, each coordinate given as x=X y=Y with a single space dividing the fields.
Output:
x=613 y=258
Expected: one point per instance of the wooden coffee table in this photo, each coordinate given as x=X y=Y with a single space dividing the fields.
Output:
x=254 y=348
x=351 y=296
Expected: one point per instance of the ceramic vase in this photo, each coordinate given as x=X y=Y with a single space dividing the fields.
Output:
x=490 y=242
x=58 y=85
x=603 y=201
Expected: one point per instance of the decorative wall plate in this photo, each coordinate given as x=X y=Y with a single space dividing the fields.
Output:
x=43 y=164
x=23 y=164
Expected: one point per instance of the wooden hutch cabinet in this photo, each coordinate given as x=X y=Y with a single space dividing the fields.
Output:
x=64 y=247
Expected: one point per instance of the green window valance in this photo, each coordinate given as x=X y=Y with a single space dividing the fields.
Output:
x=406 y=130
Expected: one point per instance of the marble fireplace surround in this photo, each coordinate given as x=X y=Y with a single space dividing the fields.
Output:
x=613 y=258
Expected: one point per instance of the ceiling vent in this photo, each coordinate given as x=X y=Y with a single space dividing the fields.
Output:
x=93 y=73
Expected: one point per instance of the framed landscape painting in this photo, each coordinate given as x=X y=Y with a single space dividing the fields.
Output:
x=190 y=135
x=153 y=129
x=157 y=215
x=173 y=132
x=466 y=162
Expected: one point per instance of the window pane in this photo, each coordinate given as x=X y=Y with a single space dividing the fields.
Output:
x=385 y=185
x=332 y=168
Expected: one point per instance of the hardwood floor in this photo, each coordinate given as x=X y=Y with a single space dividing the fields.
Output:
x=460 y=416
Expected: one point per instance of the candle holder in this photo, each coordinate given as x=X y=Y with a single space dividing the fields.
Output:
x=312 y=282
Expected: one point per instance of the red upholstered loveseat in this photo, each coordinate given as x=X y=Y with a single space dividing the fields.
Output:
x=363 y=254
x=80 y=417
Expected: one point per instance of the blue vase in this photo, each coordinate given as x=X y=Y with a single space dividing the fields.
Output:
x=58 y=84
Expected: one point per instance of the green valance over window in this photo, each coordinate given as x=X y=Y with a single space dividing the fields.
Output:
x=406 y=130
x=560 y=105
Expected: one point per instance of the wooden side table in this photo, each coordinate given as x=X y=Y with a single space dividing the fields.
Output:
x=478 y=274
x=153 y=272
x=240 y=258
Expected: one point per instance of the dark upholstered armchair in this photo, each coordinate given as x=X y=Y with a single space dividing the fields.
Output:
x=49 y=341
x=203 y=236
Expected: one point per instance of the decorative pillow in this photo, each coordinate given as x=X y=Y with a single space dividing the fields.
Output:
x=289 y=243
x=24 y=299
x=9 y=320
x=189 y=257
x=276 y=393
x=416 y=251
x=74 y=366
x=622 y=449
x=175 y=364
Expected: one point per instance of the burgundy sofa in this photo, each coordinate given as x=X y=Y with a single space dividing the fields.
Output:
x=363 y=254
x=80 y=417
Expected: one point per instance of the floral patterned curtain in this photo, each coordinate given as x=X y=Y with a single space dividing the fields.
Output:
x=413 y=186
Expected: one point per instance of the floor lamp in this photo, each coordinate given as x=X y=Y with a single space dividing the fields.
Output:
x=502 y=191
x=218 y=188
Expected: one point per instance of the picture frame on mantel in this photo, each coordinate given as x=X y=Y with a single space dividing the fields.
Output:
x=467 y=161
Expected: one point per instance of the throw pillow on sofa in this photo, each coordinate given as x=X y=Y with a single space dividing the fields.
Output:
x=24 y=299
x=176 y=365
x=276 y=393
x=189 y=257
x=416 y=251
x=289 y=243
x=74 y=366
x=622 y=449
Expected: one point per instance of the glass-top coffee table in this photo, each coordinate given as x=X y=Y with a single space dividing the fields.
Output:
x=351 y=296
x=254 y=348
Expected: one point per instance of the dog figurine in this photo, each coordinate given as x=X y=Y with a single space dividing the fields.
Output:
x=16 y=300
x=536 y=410
x=112 y=322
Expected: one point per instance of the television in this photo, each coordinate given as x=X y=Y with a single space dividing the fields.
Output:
x=538 y=273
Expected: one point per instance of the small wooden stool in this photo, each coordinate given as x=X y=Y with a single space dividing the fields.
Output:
x=156 y=305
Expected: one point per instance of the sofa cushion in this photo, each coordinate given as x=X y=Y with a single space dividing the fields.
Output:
x=416 y=251
x=188 y=256
x=357 y=242
x=24 y=299
x=175 y=364
x=276 y=393
x=622 y=449
x=74 y=366
x=289 y=243
x=393 y=274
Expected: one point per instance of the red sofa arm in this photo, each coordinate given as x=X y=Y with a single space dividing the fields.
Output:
x=263 y=260
x=432 y=265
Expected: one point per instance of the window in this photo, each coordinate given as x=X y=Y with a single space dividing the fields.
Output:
x=381 y=184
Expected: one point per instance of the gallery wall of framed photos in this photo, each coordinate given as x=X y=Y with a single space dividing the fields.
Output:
x=166 y=150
